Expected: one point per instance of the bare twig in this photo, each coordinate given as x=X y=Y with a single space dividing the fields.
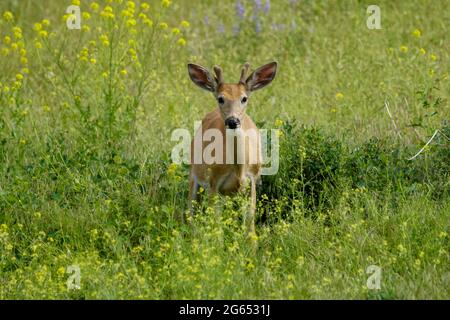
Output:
x=386 y=104
x=423 y=148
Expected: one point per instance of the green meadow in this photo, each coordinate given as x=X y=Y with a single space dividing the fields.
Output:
x=91 y=204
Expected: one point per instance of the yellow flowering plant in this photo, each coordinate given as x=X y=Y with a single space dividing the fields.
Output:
x=117 y=46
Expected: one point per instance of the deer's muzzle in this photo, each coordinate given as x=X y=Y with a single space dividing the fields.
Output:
x=232 y=123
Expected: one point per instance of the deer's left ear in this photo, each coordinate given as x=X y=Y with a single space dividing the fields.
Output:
x=262 y=76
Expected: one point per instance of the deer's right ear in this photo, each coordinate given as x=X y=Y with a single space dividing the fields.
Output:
x=201 y=77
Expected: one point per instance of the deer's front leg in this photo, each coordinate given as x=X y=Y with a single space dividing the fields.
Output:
x=252 y=211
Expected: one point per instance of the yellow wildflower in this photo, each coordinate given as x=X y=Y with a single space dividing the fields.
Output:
x=253 y=237
x=422 y=51
x=17 y=33
x=8 y=16
x=416 y=33
x=127 y=13
x=38 y=26
x=131 y=23
x=132 y=52
x=94 y=6
x=185 y=24
x=401 y=248
x=339 y=96
x=433 y=57
x=249 y=265
x=172 y=169
x=417 y=262
x=108 y=9
x=165 y=3
x=163 y=25
x=67 y=16
x=86 y=15
x=107 y=13
x=181 y=42
x=104 y=40
x=404 y=49
x=61 y=271
x=148 y=22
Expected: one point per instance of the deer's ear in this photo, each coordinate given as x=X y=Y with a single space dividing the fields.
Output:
x=201 y=77
x=262 y=76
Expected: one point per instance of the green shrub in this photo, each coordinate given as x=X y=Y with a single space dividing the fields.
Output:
x=316 y=167
x=309 y=172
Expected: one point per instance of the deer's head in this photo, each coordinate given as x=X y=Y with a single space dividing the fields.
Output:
x=232 y=98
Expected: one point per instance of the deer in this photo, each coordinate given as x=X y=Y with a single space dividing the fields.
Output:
x=229 y=177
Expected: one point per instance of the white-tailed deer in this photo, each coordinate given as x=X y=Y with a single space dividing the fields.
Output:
x=228 y=174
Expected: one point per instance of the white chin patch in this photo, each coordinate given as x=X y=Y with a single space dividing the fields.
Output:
x=237 y=130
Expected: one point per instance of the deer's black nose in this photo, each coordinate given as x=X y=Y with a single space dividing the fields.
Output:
x=232 y=122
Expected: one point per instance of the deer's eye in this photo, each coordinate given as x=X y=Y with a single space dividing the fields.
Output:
x=244 y=100
x=221 y=100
